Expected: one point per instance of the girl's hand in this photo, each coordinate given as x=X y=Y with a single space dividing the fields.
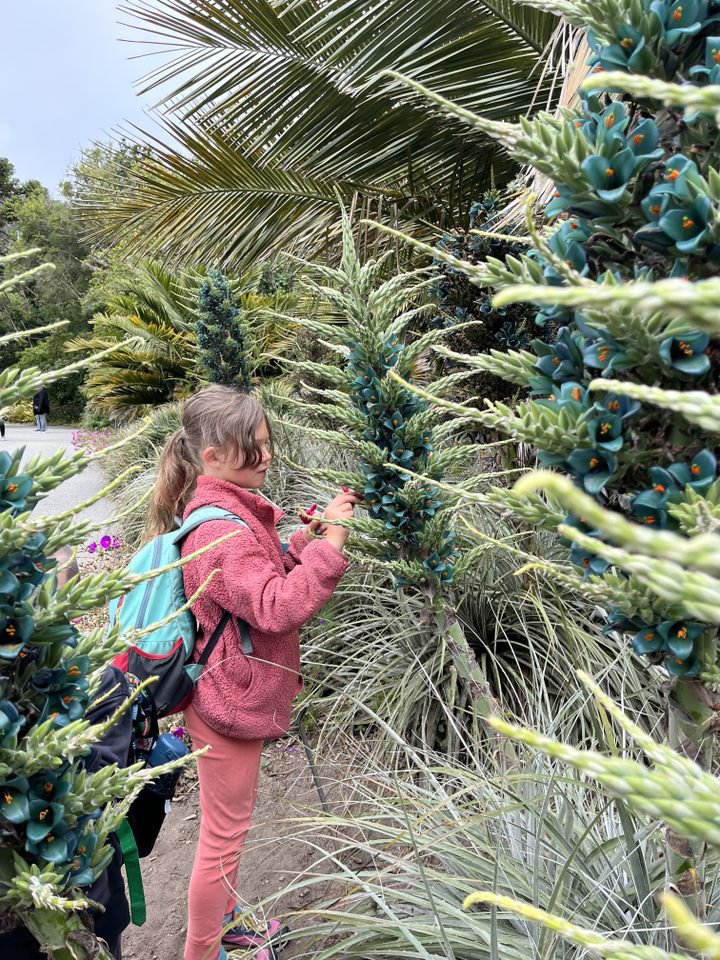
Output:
x=342 y=507
x=315 y=526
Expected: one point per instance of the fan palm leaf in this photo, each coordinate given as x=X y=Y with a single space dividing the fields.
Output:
x=279 y=106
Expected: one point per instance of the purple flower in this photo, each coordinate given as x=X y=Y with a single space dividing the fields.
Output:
x=178 y=732
x=105 y=542
x=92 y=547
x=117 y=543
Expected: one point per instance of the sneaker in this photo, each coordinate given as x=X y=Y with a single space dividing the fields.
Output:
x=270 y=936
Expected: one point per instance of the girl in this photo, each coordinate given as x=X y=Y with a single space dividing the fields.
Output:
x=219 y=458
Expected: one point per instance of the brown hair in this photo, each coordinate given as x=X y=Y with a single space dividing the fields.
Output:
x=217 y=417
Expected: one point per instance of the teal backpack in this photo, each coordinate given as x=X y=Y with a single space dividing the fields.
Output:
x=166 y=652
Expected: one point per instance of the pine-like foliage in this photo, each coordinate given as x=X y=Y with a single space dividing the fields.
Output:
x=625 y=395
x=394 y=435
x=220 y=334
x=55 y=816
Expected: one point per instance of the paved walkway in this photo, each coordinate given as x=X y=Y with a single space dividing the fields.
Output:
x=73 y=491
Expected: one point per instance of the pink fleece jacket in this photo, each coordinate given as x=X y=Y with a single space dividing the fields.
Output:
x=249 y=697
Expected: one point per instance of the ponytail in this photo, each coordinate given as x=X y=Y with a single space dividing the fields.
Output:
x=177 y=476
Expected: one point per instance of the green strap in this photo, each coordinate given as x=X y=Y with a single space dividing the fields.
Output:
x=138 y=912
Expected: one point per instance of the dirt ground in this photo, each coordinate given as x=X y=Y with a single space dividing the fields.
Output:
x=273 y=858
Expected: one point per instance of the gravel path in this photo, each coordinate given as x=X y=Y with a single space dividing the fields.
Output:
x=73 y=491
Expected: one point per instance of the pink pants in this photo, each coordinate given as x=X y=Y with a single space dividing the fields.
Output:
x=228 y=775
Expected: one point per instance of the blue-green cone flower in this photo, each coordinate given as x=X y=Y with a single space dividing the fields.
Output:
x=365 y=380
x=16 y=628
x=663 y=482
x=679 y=637
x=607 y=128
x=401 y=455
x=606 y=432
x=618 y=405
x=650 y=508
x=655 y=205
x=591 y=563
x=392 y=348
x=678 y=20
x=43 y=820
x=48 y=786
x=680 y=173
x=14 y=803
x=648 y=640
x=14 y=491
x=10 y=724
x=689 y=227
x=710 y=71
x=593 y=468
x=57 y=847
x=629 y=53
x=609 y=175
x=605 y=354
x=393 y=421
x=682 y=668
x=643 y=142
x=699 y=474
x=686 y=353
x=562 y=360
x=570 y=396
x=80 y=871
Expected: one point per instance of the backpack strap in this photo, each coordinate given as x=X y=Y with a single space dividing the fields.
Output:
x=129 y=850
x=196 y=519
x=202 y=515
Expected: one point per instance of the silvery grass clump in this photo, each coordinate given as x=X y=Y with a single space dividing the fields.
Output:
x=410 y=847
x=55 y=818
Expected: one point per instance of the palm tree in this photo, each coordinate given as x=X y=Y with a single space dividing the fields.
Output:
x=154 y=311
x=274 y=107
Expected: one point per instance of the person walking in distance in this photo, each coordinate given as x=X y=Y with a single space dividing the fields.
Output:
x=41 y=408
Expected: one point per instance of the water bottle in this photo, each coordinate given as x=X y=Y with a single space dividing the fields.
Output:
x=168 y=747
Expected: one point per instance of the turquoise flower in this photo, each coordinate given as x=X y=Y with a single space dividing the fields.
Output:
x=562 y=360
x=648 y=640
x=14 y=491
x=649 y=508
x=401 y=455
x=609 y=175
x=619 y=405
x=689 y=227
x=57 y=847
x=686 y=353
x=593 y=467
x=680 y=175
x=629 y=53
x=48 y=786
x=10 y=724
x=643 y=142
x=606 y=431
x=16 y=628
x=391 y=350
x=711 y=71
x=14 y=803
x=43 y=820
x=591 y=563
x=393 y=421
x=699 y=474
x=679 y=637
x=678 y=20
x=606 y=354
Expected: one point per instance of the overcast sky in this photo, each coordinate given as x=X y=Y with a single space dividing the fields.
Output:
x=66 y=79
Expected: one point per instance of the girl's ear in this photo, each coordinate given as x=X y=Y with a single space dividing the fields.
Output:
x=209 y=457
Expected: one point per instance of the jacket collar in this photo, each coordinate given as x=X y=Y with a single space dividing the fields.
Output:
x=221 y=493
